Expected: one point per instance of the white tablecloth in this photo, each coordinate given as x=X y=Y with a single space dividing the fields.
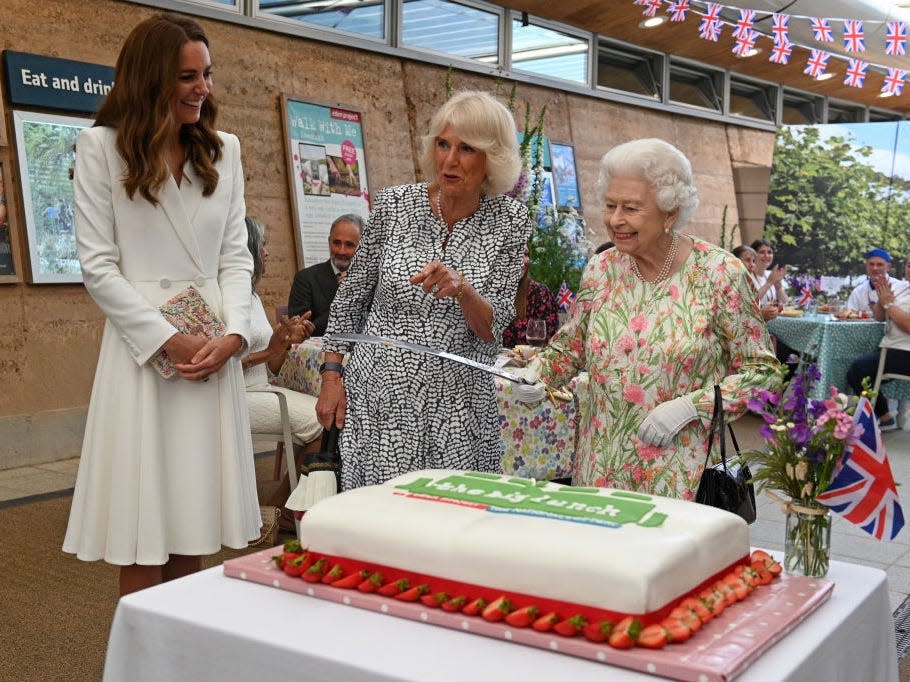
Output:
x=211 y=627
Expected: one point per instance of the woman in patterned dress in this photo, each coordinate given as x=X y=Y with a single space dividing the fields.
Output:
x=659 y=319
x=438 y=264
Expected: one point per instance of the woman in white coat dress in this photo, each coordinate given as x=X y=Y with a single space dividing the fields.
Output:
x=166 y=473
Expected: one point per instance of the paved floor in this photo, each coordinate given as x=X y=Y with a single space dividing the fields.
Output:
x=848 y=542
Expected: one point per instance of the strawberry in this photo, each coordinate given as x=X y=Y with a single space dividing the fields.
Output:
x=523 y=617
x=293 y=546
x=653 y=637
x=497 y=610
x=571 y=626
x=295 y=566
x=692 y=621
x=696 y=605
x=625 y=633
x=349 y=582
x=475 y=607
x=371 y=583
x=598 y=631
x=454 y=604
x=413 y=593
x=314 y=573
x=332 y=575
x=435 y=600
x=677 y=630
x=546 y=622
x=760 y=555
x=390 y=589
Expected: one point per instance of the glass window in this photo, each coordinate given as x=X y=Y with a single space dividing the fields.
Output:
x=841 y=113
x=801 y=109
x=629 y=70
x=451 y=28
x=696 y=86
x=363 y=17
x=876 y=116
x=754 y=100
x=549 y=53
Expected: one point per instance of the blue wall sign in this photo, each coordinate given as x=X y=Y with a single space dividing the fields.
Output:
x=40 y=81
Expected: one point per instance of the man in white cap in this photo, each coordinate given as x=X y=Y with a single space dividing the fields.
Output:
x=878 y=264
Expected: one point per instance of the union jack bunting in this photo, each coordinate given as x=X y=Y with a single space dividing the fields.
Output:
x=639 y=2
x=780 y=28
x=780 y=53
x=856 y=73
x=894 y=82
x=818 y=62
x=564 y=297
x=863 y=491
x=651 y=7
x=744 y=43
x=896 y=39
x=678 y=10
x=854 y=41
x=745 y=23
x=822 y=30
x=710 y=30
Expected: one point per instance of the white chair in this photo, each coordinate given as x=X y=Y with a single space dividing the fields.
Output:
x=895 y=391
x=285 y=439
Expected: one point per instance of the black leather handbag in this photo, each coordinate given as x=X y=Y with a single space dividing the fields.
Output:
x=726 y=485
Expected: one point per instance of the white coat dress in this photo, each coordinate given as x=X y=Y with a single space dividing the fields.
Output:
x=167 y=464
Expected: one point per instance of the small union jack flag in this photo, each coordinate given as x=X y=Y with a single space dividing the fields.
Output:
x=564 y=297
x=678 y=10
x=745 y=23
x=805 y=296
x=780 y=28
x=780 y=53
x=744 y=43
x=863 y=491
x=818 y=62
x=854 y=41
x=822 y=30
x=651 y=7
x=894 y=82
x=856 y=73
x=896 y=39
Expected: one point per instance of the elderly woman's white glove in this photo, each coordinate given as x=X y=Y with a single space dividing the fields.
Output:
x=665 y=421
x=532 y=392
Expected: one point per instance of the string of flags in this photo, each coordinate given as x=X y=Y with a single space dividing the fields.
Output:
x=745 y=36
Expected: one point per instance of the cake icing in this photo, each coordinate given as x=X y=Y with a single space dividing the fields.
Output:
x=601 y=548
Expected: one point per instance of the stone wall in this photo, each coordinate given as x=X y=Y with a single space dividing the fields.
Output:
x=49 y=334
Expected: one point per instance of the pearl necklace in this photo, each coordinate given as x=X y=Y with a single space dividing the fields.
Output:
x=439 y=206
x=668 y=263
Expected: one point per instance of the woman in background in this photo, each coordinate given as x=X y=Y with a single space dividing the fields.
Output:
x=534 y=300
x=769 y=281
x=166 y=473
x=749 y=258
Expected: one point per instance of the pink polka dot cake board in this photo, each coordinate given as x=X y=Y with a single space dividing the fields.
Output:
x=722 y=649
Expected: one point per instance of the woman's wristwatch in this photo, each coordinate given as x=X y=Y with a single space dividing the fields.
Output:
x=331 y=367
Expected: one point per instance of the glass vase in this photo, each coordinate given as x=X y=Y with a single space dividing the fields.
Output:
x=807 y=544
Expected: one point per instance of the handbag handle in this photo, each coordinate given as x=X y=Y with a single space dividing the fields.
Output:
x=717 y=429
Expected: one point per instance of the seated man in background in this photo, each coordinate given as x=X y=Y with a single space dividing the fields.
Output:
x=864 y=295
x=314 y=287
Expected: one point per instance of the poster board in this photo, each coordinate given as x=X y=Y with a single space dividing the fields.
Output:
x=10 y=261
x=327 y=172
x=565 y=175
x=45 y=144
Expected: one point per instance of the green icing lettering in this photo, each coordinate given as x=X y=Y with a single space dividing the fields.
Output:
x=566 y=502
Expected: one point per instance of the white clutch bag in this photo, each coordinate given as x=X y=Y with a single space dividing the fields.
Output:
x=190 y=314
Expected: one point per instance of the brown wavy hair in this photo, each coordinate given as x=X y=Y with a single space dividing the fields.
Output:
x=139 y=107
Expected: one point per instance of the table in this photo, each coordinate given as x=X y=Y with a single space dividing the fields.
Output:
x=539 y=439
x=211 y=627
x=833 y=344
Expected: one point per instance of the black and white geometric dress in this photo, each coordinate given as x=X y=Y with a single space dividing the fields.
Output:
x=405 y=410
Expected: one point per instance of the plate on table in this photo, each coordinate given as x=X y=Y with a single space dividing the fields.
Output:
x=791 y=312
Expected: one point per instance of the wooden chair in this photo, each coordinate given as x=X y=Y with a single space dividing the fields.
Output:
x=895 y=391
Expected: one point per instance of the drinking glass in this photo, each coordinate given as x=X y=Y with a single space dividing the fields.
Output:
x=536 y=331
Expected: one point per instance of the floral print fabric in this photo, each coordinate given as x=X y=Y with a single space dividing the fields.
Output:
x=542 y=304
x=645 y=343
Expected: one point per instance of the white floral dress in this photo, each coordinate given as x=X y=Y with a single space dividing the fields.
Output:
x=645 y=343
x=406 y=410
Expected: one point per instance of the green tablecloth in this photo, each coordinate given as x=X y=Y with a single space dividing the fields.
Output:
x=832 y=344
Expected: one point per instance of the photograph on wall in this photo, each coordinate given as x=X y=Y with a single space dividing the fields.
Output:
x=837 y=191
x=9 y=254
x=565 y=177
x=547 y=193
x=326 y=170
x=45 y=145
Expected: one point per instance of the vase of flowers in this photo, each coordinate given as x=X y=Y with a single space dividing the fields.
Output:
x=805 y=444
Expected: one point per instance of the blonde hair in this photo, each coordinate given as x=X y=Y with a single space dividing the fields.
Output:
x=662 y=166
x=485 y=124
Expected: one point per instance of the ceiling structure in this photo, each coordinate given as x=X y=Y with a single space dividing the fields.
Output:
x=620 y=19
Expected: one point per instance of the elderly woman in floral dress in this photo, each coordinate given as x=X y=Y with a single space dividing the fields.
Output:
x=659 y=319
